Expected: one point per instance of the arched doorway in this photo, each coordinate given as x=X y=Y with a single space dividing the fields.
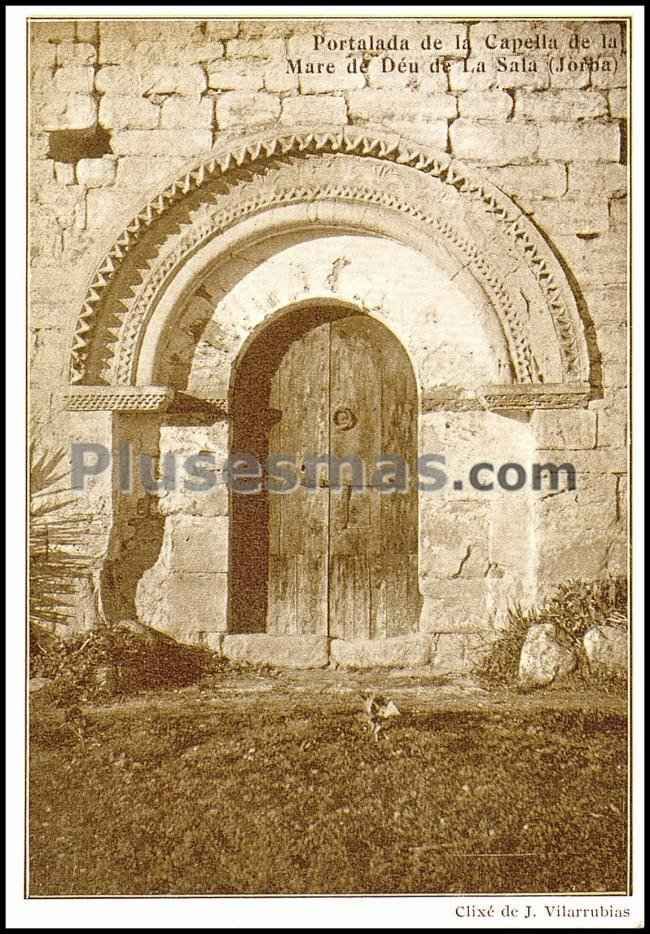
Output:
x=325 y=399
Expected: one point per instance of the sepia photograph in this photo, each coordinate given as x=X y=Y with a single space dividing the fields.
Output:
x=328 y=433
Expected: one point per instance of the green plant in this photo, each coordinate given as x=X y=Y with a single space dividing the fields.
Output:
x=55 y=564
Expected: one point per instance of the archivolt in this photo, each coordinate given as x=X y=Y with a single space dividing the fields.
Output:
x=189 y=211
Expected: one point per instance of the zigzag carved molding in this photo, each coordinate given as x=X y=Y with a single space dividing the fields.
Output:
x=351 y=141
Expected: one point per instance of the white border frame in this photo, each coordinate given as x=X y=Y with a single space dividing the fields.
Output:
x=234 y=912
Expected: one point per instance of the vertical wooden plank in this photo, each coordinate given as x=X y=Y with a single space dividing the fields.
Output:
x=299 y=532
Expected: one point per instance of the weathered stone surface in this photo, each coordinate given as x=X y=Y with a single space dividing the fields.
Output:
x=255 y=48
x=497 y=143
x=314 y=108
x=240 y=109
x=134 y=172
x=447 y=653
x=191 y=113
x=486 y=105
x=96 y=173
x=67 y=112
x=405 y=652
x=174 y=79
x=77 y=79
x=374 y=106
x=618 y=105
x=543 y=658
x=120 y=80
x=75 y=53
x=236 y=76
x=162 y=142
x=560 y=105
x=530 y=181
x=302 y=651
x=606 y=647
x=570 y=142
x=606 y=179
x=118 y=113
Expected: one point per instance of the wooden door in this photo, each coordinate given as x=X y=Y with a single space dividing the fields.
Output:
x=343 y=556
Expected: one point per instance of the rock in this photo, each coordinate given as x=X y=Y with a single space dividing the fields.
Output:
x=277 y=651
x=402 y=652
x=606 y=647
x=543 y=658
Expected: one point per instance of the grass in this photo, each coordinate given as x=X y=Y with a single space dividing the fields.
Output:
x=196 y=792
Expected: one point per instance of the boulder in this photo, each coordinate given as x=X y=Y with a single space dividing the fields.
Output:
x=544 y=657
x=606 y=647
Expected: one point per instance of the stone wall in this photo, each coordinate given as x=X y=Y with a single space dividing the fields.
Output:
x=118 y=107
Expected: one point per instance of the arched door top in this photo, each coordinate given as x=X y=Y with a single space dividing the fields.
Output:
x=338 y=178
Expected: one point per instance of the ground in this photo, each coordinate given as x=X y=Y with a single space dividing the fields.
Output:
x=260 y=782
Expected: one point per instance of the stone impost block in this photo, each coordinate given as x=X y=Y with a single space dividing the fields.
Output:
x=400 y=652
x=299 y=651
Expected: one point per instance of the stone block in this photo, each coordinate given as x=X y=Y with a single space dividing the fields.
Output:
x=497 y=143
x=565 y=105
x=609 y=178
x=187 y=113
x=485 y=105
x=195 y=602
x=317 y=108
x=135 y=173
x=399 y=652
x=64 y=173
x=96 y=173
x=570 y=142
x=135 y=113
x=298 y=651
x=174 y=79
x=119 y=80
x=199 y=544
x=65 y=112
x=75 y=79
x=75 y=53
x=447 y=653
x=530 y=181
x=454 y=605
x=618 y=103
x=255 y=48
x=606 y=648
x=580 y=216
x=237 y=108
x=161 y=142
x=236 y=76
x=375 y=106
x=544 y=658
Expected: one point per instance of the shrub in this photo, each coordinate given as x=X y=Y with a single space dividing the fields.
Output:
x=574 y=608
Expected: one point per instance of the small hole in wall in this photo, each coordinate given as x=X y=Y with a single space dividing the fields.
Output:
x=73 y=145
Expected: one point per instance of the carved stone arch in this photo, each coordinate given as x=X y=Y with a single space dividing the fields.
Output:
x=333 y=178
